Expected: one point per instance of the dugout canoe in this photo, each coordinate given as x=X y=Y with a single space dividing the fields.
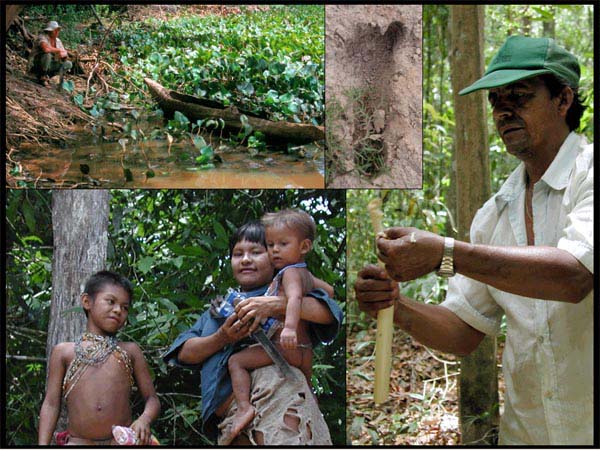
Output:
x=196 y=108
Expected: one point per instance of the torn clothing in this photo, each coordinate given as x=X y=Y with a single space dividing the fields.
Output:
x=215 y=383
x=274 y=397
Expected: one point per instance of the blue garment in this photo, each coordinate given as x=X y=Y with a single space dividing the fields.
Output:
x=274 y=286
x=215 y=383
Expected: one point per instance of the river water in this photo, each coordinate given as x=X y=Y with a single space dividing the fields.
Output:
x=153 y=164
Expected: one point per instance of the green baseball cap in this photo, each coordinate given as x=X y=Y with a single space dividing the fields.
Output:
x=524 y=57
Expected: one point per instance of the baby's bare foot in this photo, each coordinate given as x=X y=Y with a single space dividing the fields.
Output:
x=240 y=420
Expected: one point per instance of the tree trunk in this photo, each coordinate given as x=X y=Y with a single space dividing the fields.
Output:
x=12 y=12
x=549 y=25
x=478 y=382
x=80 y=228
x=196 y=108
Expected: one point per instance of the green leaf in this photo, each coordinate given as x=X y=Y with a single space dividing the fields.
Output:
x=78 y=99
x=220 y=232
x=199 y=142
x=246 y=88
x=145 y=264
x=207 y=151
x=29 y=215
x=68 y=86
x=180 y=118
x=178 y=261
x=168 y=304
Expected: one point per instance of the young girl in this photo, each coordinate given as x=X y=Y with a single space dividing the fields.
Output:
x=95 y=374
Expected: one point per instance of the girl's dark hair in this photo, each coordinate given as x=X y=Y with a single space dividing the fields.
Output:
x=96 y=282
x=556 y=85
x=252 y=231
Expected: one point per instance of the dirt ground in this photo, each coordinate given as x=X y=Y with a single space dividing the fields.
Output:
x=373 y=96
x=423 y=404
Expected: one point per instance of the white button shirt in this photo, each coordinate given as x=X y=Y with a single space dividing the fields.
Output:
x=548 y=359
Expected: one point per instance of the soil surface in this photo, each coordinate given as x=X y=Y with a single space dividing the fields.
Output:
x=423 y=404
x=373 y=95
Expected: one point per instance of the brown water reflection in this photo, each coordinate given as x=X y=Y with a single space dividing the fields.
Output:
x=104 y=163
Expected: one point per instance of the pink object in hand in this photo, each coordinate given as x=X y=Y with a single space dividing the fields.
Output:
x=124 y=435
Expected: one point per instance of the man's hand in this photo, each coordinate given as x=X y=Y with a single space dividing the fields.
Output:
x=233 y=330
x=142 y=430
x=62 y=54
x=288 y=339
x=409 y=253
x=375 y=290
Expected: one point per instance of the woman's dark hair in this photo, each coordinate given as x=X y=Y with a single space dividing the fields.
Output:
x=96 y=282
x=253 y=231
x=556 y=85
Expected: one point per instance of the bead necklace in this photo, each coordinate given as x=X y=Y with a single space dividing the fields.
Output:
x=100 y=348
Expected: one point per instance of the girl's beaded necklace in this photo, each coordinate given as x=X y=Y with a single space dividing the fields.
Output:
x=94 y=354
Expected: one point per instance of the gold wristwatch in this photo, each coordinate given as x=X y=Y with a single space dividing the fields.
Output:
x=447 y=266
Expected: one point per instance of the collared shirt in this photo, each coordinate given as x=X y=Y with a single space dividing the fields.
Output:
x=215 y=383
x=548 y=356
x=37 y=47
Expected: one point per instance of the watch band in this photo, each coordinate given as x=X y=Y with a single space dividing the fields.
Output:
x=447 y=266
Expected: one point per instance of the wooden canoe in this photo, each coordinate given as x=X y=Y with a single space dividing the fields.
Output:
x=196 y=108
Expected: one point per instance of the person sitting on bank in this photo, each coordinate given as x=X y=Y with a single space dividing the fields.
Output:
x=48 y=56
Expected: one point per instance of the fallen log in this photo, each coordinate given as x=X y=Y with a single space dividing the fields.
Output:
x=196 y=108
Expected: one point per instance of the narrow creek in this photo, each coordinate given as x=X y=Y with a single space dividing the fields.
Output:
x=96 y=163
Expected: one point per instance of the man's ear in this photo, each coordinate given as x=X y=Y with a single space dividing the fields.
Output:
x=305 y=246
x=86 y=301
x=565 y=100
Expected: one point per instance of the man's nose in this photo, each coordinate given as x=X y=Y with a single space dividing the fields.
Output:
x=246 y=257
x=502 y=110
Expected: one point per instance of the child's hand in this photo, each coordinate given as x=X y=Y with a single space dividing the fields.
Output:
x=288 y=339
x=142 y=430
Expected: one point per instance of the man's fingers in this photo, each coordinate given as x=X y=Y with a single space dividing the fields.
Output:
x=376 y=296
x=254 y=326
x=384 y=248
x=370 y=285
x=230 y=320
x=373 y=307
x=373 y=272
x=398 y=232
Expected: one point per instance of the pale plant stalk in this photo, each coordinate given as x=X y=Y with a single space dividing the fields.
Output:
x=385 y=325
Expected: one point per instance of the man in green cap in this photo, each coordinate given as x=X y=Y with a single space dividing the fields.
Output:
x=530 y=258
x=48 y=56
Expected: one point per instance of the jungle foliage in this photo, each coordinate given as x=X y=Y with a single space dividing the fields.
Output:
x=269 y=63
x=174 y=246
